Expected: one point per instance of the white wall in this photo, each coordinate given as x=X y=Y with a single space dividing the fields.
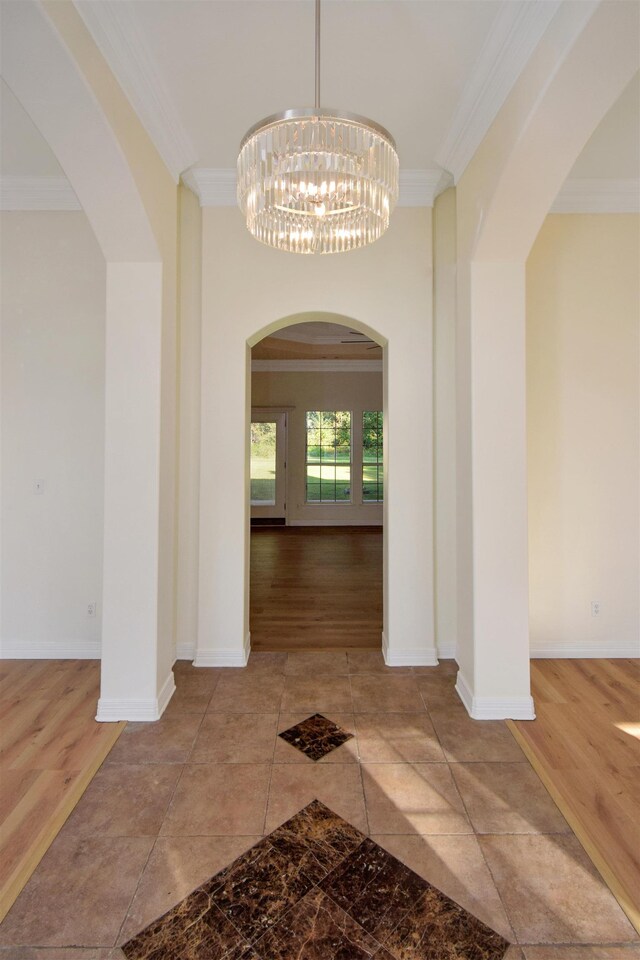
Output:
x=444 y=420
x=189 y=353
x=355 y=392
x=249 y=291
x=583 y=319
x=53 y=315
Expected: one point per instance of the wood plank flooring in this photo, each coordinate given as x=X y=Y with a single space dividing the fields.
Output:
x=50 y=749
x=585 y=746
x=316 y=588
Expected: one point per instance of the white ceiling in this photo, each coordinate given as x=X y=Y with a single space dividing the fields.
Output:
x=23 y=150
x=200 y=72
x=316 y=330
x=228 y=64
x=613 y=151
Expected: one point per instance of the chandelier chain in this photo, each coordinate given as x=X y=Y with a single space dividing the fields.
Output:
x=317 y=103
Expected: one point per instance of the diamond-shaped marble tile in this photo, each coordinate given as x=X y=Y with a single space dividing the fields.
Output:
x=317 y=888
x=316 y=736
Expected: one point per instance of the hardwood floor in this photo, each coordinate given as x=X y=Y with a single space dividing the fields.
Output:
x=50 y=748
x=316 y=588
x=585 y=746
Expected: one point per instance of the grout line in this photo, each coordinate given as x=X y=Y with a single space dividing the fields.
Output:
x=359 y=761
x=157 y=837
x=273 y=756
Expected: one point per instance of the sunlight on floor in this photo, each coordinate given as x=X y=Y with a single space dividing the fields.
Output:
x=633 y=729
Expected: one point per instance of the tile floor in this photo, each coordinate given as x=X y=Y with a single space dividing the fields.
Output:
x=317 y=889
x=453 y=799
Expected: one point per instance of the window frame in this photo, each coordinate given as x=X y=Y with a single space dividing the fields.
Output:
x=319 y=460
x=379 y=461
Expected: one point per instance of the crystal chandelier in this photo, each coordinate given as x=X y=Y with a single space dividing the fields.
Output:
x=317 y=180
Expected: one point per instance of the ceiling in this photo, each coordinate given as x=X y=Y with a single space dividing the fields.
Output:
x=317 y=336
x=23 y=150
x=229 y=64
x=613 y=152
x=316 y=329
x=200 y=72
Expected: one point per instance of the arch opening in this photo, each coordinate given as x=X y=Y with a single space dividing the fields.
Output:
x=315 y=476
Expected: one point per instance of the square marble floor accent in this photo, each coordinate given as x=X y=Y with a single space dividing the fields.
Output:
x=317 y=889
x=316 y=736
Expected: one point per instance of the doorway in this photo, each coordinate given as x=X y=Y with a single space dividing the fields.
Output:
x=316 y=489
x=268 y=465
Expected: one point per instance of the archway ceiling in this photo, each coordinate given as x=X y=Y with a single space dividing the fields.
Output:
x=199 y=72
x=227 y=64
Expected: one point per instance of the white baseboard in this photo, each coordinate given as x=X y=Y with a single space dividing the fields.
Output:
x=411 y=657
x=111 y=709
x=585 y=651
x=50 y=650
x=346 y=522
x=185 y=651
x=494 y=708
x=224 y=657
x=446 y=651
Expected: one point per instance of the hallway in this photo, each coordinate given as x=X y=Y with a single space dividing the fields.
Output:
x=453 y=799
x=316 y=588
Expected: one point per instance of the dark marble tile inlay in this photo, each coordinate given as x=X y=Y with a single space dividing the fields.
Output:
x=316 y=889
x=411 y=918
x=316 y=736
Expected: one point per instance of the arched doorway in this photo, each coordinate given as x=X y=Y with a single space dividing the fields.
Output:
x=385 y=294
x=136 y=625
x=317 y=487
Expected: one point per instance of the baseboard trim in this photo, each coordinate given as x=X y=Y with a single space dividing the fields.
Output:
x=585 y=651
x=185 y=651
x=446 y=651
x=408 y=658
x=50 y=650
x=353 y=522
x=224 y=657
x=494 y=708
x=112 y=709
x=167 y=691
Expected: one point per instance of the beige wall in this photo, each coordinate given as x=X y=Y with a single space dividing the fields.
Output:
x=248 y=292
x=189 y=353
x=140 y=541
x=583 y=313
x=321 y=391
x=444 y=421
x=53 y=328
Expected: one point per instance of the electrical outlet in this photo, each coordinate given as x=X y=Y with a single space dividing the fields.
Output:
x=595 y=608
x=91 y=609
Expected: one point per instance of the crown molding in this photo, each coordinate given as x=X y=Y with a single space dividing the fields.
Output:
x=419 y=188
x=37 y=193
x=117 y=35
x=598 y=196
x=217 y=187
x=316 y=366
x=513 y=37
x=213 y=187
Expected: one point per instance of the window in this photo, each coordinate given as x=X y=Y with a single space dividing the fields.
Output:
x=372 y=479
x=263 y=463
x=328 y=456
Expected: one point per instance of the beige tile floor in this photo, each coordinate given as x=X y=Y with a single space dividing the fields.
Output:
x=454 y=799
